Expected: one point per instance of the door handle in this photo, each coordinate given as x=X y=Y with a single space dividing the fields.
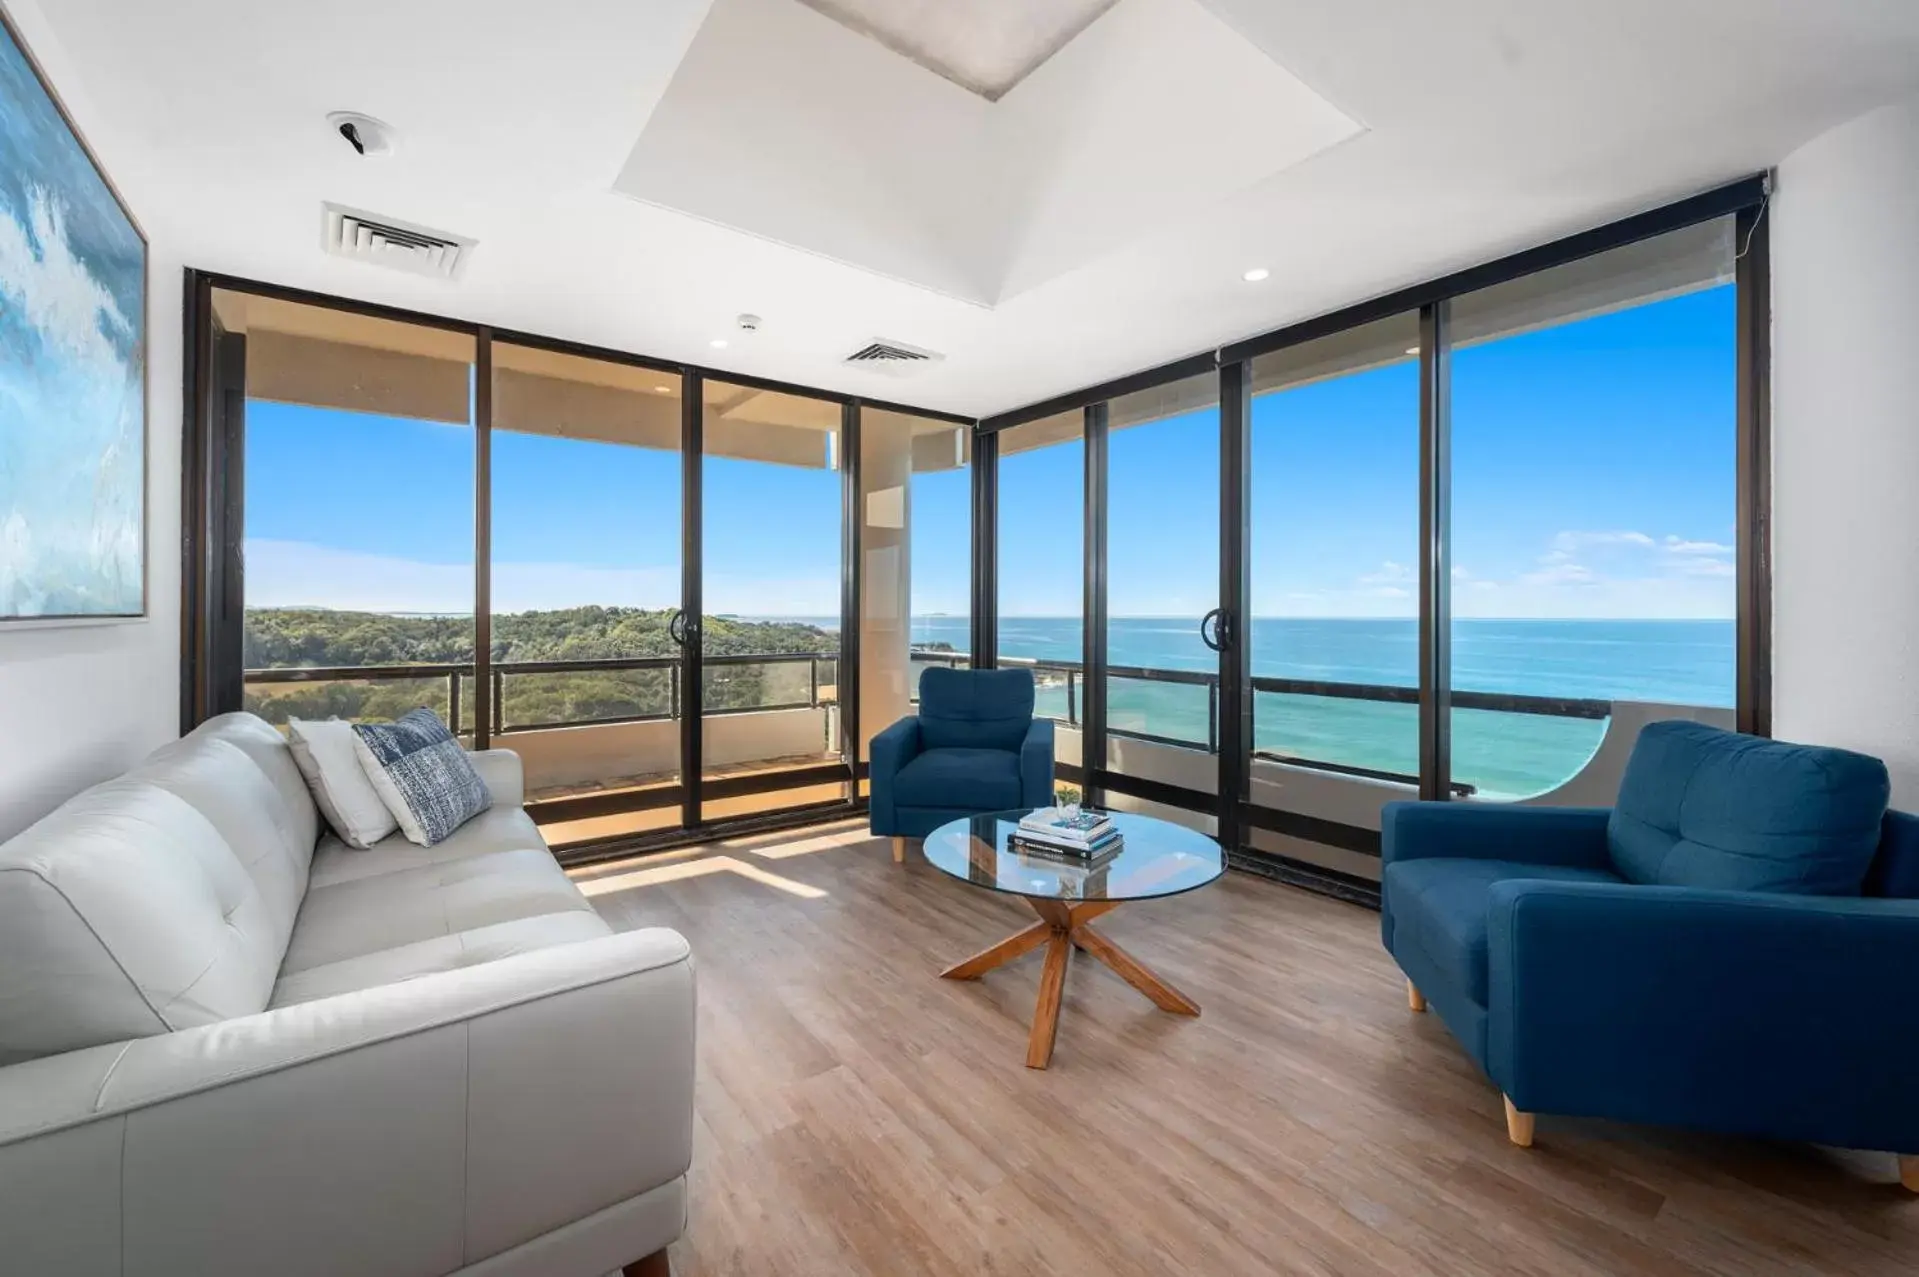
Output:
x=1220 y=635
x=676 y=628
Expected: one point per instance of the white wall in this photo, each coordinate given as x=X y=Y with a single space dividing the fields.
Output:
x=1846 y=442
x=78 y=704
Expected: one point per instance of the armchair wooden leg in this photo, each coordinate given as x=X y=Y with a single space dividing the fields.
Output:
x=1519 y=1126
x=1414 y=998
x=1909 y=1172
x=654 y=1265
x=899 y=851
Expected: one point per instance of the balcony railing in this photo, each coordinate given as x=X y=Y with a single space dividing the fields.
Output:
x=654 y=699
x=1051 y=673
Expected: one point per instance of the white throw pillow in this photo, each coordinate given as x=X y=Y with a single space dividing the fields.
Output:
x=329 y=758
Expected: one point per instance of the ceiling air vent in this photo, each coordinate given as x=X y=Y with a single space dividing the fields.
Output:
x=384 y=241
x=894 y=358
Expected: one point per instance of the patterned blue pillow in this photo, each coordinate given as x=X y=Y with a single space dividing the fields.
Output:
x=422 y=775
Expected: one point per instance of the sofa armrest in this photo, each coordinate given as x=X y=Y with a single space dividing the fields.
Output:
x=416 y=1126
x=1036 y=764
x=1778 y=1015
x=1571 y=836
x=891 y=750
x=503 y=773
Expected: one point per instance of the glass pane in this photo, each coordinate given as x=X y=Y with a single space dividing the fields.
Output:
x=586 y=577
x=375 y=576
x=1042 y=535
x=1593 y=504
x=772 y=516
x=1162 y=573
x=916 y=547
x=1335 y=535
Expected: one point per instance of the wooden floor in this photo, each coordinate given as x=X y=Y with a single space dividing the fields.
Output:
x=856 y=1114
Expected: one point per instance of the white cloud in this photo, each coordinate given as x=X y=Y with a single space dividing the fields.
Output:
x=1390 y=574
x=1558 y=572
x=299 y=574
x=1678 y=545
x=1569 y=543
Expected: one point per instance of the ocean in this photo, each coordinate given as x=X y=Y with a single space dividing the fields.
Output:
x=1500 y=754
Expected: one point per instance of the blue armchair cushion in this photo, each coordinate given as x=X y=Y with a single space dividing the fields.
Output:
x=1703 y=807
x=1442 y=906
x=975 y=709
x=968 y=779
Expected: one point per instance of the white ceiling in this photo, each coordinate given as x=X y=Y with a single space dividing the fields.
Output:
x=1489 y=125
x=884 y=165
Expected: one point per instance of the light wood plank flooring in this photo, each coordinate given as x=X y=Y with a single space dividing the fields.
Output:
x=857 y=1114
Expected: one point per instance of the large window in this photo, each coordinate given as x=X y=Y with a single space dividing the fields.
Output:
x=1335 y=547
x=1593 y=441
x=358 y=550
x=586 y=581
x=1162 y=569
x=1042 y=565
x=772 y=542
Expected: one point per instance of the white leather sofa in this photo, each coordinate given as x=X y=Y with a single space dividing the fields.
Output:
x=230 y=1045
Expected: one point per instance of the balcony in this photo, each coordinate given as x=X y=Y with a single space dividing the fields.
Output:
x=600 y=738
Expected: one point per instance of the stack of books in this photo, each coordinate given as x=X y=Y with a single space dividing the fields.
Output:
x=1084 y=837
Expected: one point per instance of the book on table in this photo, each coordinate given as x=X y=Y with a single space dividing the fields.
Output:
x=1067 y=828
x=1061 y=855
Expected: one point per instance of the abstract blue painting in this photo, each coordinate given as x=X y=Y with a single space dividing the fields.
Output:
x=72 y=368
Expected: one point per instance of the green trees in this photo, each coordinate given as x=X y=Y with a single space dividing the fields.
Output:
x=282 y=637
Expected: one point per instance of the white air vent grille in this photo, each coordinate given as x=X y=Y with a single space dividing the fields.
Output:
x=894 y=358
x=384 y=241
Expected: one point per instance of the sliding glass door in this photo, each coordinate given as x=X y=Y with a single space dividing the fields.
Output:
x=636 y=576
x=1333 y=643
x=1162 y=622
x=351 y=442
x=772 y=544
x=585 y=584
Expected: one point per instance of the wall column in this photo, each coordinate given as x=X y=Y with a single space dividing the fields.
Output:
x=886 y=471
x=1845 y=263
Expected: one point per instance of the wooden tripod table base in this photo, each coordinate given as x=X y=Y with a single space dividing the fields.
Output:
x=1061 y=929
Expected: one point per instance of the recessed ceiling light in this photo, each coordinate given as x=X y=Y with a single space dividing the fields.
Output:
x=1256 y=274
x=718 y=343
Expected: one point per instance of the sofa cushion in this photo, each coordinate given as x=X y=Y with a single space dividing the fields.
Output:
x=125 y=914
x=384 y=911
x=496 y=829
x=969 y=779
x=422 y=775
x=329 y=760
x=975 y=709
x=1703 y=807
x=1440 y=906
x=261 y=742
x=443 y=953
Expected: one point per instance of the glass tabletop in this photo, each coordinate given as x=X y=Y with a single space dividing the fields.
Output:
x=1157 y=858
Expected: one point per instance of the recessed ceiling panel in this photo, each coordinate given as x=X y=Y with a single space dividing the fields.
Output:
x=984 y=46
x=788 y=125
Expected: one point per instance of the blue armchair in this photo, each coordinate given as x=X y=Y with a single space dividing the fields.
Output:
x=974 y=747
x=1729 y=948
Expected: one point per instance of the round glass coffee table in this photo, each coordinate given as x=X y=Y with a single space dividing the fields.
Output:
x=1158 y=858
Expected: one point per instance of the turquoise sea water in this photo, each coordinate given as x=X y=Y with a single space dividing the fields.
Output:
x=1679 y=662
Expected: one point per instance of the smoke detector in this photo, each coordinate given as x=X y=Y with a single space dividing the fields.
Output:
x=894 y=358
x=366 y=135
x=749 y=323
x=387 y=241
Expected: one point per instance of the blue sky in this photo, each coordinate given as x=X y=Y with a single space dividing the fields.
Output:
x=1592 y=476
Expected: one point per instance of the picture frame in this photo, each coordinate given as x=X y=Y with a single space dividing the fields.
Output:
x=75 y=371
